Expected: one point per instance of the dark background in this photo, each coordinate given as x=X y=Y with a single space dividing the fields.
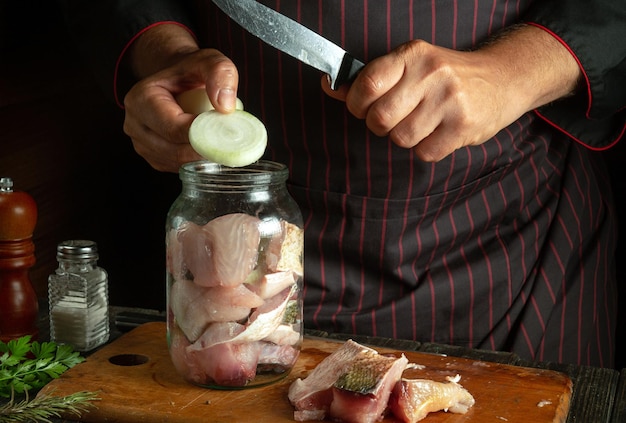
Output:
x=61 y=141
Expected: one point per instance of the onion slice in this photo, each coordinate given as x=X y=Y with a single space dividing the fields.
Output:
x=196 y=101
x=232 y=139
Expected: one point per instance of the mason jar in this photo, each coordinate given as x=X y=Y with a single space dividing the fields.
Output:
x=234 y=241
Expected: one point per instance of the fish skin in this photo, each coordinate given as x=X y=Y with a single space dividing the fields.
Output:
x=303 y=392
x=355 y=384
x=364 y=400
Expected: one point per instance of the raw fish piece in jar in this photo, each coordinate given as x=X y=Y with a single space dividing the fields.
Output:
x=221 y=253
x=265 y=319
x=218 y=333
x=274 y=356
x=192 y=255
x=272 y=283
x=227 y=364
x=214 y=359
x=221 y=332
x=174 y=254
x=234 y=241
x=284 y=251
x=284 y=335
x=178 y=344
x=195 y=307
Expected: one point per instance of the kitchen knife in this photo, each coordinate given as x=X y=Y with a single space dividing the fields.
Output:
x=294 y=39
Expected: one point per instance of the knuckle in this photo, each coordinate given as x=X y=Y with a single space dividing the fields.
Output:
x=369 y=84
x=414 y=47
x=426 y=156
x=126 y=127
x=378 y=120
x=129 y=102
x=366 y=88
x=419 y=50
x=402 y=138
x=432 y=152
x=159 y=167
x=224 y=67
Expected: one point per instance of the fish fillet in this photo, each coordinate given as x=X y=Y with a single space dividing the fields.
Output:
x=412 y=399
x=352 y=384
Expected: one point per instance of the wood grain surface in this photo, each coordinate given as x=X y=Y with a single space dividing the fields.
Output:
x=153 y=392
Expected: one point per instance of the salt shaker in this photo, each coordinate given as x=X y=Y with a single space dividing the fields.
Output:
x=78 y=297
x=18 y=300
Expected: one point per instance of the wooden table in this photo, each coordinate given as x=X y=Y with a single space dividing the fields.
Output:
x=599 y=395
x=619 y=407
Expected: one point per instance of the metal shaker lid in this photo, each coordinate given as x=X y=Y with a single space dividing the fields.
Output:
x=77 y=249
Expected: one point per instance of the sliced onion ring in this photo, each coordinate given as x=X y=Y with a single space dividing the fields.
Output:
x=232 y=139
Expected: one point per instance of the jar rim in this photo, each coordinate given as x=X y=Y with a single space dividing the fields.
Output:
x=260 y=172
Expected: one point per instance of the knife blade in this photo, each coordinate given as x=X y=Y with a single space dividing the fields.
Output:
x=292 y=38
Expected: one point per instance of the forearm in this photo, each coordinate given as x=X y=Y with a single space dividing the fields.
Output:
x=159 y=47
x=533 y=65
x=593 y=30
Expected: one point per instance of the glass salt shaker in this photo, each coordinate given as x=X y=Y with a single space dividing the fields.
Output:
x=78 y=297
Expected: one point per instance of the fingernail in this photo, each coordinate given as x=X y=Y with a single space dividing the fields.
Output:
x=227 y=98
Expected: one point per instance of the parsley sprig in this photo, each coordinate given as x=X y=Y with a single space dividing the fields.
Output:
x=26 y=365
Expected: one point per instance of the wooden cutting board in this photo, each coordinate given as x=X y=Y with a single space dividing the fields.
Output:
x=151 y=391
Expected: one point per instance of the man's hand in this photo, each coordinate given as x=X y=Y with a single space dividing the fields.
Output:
x=154 y=121
x=436 y=100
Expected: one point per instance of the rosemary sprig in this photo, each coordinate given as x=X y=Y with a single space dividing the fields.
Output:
x=45 y=407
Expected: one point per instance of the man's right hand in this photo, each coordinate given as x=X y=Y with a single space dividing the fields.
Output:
x=154 y=121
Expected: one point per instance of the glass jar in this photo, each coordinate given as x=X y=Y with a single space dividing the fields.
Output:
x=78 y=297
x=234 y=243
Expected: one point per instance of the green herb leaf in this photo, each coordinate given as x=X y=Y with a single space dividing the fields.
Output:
x=43 y=350
x=25 y=366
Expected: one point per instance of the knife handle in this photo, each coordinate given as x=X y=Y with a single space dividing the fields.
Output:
x=349 y=69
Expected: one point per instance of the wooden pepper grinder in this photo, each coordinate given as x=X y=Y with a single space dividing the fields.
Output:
x=18 y=301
